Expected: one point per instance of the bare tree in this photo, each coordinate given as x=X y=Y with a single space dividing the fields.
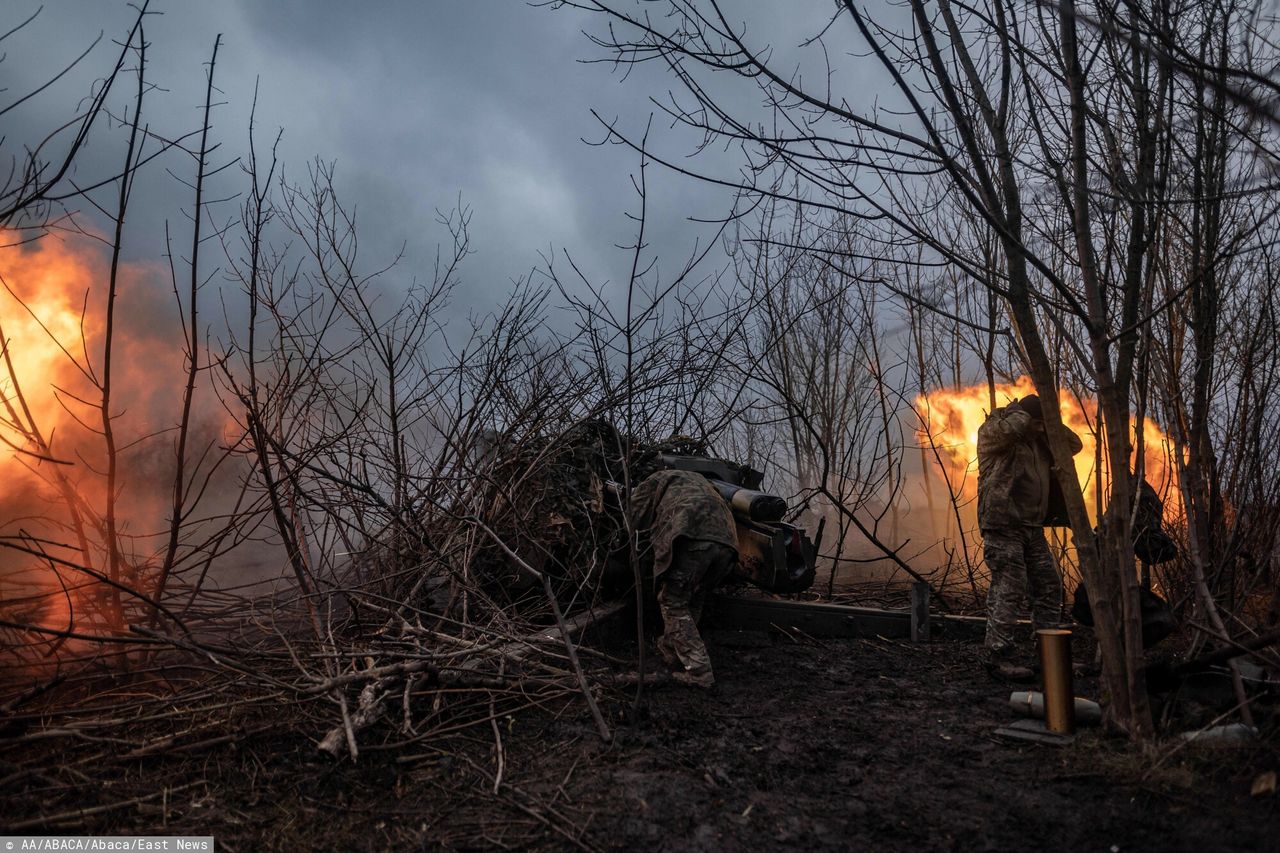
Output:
x=1052 y=129
x=117 y=569
x=815 y=360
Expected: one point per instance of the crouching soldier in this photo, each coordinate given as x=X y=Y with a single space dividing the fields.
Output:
x=687 y=541
x=1015 y=474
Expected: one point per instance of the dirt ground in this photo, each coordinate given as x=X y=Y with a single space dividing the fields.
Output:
x=843 y=745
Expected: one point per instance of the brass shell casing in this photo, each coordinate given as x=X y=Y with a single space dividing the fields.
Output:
x=1055 y=668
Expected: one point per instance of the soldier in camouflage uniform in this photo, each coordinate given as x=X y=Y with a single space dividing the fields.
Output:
x=1015 y=469
x=688 y=542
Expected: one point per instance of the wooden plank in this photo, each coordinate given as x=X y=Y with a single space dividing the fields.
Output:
x=1033 y=731
x=819 y=619
x=811 y=617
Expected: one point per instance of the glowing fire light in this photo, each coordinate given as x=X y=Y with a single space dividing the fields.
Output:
x=950 y=421
x=43 y=326
x=52 y=331
x=51 y=281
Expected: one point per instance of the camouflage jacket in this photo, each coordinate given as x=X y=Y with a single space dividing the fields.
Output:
x=1014 y=470
x=671 y=505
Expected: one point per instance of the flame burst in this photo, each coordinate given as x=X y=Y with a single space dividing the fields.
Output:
x=950 y=421
x=51 y=450
x=51 y=282
x=41 y=315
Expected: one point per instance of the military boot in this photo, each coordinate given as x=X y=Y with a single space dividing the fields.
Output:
x=1003 y=664
x=668 y=653
x=691 y=676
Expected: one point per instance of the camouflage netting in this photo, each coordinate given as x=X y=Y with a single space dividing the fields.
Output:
x=547 y=499
x=552 y=500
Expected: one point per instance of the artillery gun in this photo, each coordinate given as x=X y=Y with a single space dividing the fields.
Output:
x=569 y=503
x=773 y=555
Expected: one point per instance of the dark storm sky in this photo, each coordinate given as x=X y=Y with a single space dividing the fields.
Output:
x=417 y=102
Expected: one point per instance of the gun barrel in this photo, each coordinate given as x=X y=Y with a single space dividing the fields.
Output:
x=745 y=503
x=756 y=506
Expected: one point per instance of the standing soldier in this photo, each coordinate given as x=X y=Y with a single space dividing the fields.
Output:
x=1015 y=470
x=687 y=539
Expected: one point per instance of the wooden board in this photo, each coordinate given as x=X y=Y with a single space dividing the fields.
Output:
x=1033 y=731
x=818 y=619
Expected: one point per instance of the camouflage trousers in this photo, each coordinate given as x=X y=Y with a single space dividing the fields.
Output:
x=1020 y=563
x=696 y=568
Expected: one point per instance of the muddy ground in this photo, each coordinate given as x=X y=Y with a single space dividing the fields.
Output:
x=803 y=744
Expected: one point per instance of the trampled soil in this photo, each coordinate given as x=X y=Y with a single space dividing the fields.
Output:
x=810 y=745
